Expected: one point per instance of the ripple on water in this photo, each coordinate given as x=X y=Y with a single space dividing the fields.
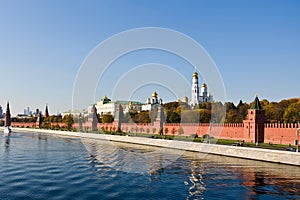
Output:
x=37 y=166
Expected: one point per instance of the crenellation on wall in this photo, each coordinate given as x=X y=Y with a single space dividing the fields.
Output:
x=253 y=129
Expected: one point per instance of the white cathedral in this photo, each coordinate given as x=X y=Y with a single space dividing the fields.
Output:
x=204 y=95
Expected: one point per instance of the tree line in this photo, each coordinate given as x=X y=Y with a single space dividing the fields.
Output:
x=285 y=111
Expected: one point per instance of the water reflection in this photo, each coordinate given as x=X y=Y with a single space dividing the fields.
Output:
x=156 y=168
x=253 y=178
x=51 y=170
x=196 y=178
x=259 y=182
x=126 y=159
x=6 y=143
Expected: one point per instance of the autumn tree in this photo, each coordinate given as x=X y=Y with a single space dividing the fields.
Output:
x=107 y=118
x=68 y=120
x=292 y=114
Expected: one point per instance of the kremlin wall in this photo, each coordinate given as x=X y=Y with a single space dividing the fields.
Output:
x=253 y=129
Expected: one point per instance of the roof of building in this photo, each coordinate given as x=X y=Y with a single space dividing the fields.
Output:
x=128 y=102
x=124 y=102
x=256 y=105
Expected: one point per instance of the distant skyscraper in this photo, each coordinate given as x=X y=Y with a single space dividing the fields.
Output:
x=27 y=111
x=1 y=112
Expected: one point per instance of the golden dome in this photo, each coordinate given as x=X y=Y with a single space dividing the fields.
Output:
x=105 y=97
x=204 y=85
x=154 y=95
x=185 y=99
x=195 y=74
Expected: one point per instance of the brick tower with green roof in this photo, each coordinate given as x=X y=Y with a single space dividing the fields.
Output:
x=254 y=125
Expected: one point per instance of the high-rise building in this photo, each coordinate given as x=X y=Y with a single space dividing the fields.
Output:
x=27 y=111
x=1 y=112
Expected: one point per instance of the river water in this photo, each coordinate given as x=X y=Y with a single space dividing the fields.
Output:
x=41 y=166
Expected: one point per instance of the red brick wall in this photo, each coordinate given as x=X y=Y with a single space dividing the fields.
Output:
x=32 y=124
x=274 y=133
x=139 y=128
x=281 y=133
x=23 y=124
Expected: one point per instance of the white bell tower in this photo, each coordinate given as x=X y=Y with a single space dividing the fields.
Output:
x=195 y=90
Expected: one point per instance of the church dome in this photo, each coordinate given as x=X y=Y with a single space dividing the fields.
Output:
x=154 y=95
x=185 y=99
x=195 y=74
x=204 y=85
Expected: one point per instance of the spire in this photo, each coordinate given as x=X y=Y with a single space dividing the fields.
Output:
x=256 y=104
x=46 y=111
x=7 y=116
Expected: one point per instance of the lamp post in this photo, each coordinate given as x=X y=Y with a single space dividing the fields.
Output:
x=297 y=133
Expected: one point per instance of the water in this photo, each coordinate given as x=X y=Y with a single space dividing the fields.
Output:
x=39 y=166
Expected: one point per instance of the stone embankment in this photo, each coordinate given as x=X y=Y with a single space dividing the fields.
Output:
x=275 y=156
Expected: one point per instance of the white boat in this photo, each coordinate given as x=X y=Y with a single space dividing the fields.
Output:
x=6 y=131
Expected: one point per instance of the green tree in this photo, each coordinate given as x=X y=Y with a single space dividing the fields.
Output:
x=173 y=117
x=242 y=111
x=205 y=116
x=190 y=116
x=274 y=112
x=143 y=117
x=173 y=111
x=107 y=118
x=68 y=120
x=292 y=114
x=218 y=112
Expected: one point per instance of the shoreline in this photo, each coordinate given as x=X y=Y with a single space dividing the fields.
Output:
x=266 y=155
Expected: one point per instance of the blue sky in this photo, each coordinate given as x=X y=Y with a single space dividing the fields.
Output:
x=255 y=45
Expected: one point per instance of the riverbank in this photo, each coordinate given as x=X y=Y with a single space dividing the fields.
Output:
x=275 y=156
